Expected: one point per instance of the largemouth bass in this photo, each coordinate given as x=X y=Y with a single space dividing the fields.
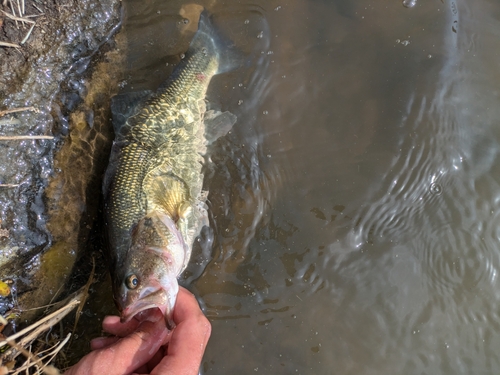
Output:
x=154 y=203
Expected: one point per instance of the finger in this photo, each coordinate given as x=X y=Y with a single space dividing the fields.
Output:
x=112 y=325
x=141 y=370
x=127 y=354
x=103 y=342
x=153 y=362
x=186 y=306
x=146 y=369
x=189 y=338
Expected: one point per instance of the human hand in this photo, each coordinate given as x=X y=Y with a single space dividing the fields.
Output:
x=148 y=347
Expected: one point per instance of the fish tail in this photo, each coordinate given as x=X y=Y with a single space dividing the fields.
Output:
x=208 y=37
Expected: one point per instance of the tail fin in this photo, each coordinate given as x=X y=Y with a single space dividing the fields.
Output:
x=208 y=36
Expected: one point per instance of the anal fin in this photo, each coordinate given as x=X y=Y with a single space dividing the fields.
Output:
x=217 y=124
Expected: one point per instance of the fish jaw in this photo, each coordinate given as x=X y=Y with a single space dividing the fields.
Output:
x=154 y=260
x=161 y=295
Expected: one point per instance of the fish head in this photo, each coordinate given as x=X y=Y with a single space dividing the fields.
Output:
x=147 y=278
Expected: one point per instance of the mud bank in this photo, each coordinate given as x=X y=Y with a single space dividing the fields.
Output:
x=59 y=65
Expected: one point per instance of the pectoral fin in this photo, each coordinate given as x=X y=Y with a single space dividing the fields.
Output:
x=169 y=194
x=218 y=124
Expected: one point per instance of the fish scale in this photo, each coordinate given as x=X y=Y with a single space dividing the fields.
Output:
x=154 y=204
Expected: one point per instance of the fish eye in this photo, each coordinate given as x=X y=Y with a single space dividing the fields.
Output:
x=131 y=282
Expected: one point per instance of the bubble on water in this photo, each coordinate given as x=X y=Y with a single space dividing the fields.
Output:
x=405 y=42
x=183 y=55
x=240 y=102
x=277 y=8
x=398 y=41
x=436 y=189
x=246 y=22
x=429 y=56
x=260 y=35
x=185 y=21
x=240 y=84
x=409 y=3
x=265 y=112
x=270 y=52
x=158 y=12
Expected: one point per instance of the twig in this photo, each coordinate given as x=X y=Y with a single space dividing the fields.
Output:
x=13 y=11
x=9 y=185
x=22 y=19
x=27 y=354
x=57 y=349
x=21 y=109
x=56 y=315
x=85 y=295
x=28 y=35
x=37 y=8
x=49 y=370
x=19 y=8
x=5 y=44
x=56 y=294
x=23 y=137
x=42 y=356
x=11 y=121
x=41 y=307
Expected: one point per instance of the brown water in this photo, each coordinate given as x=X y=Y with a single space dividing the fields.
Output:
x=355 y=205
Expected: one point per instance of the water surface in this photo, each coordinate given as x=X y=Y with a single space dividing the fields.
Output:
x=355 y=205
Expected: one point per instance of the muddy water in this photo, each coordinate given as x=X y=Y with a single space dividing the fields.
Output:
x=355 y=203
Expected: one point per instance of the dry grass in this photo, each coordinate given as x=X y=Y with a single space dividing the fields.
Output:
x=17 y=14
x=24 y=342
x=16 y=18
x=6 y=44
x=20 y=137
x=24 y=137
x=14 y=110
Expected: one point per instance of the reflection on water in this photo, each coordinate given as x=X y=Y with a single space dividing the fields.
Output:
x=355 y=203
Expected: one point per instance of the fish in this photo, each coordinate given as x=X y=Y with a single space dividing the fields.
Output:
x=154 y=202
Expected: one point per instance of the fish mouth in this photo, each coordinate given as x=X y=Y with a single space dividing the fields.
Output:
x=137 y=310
